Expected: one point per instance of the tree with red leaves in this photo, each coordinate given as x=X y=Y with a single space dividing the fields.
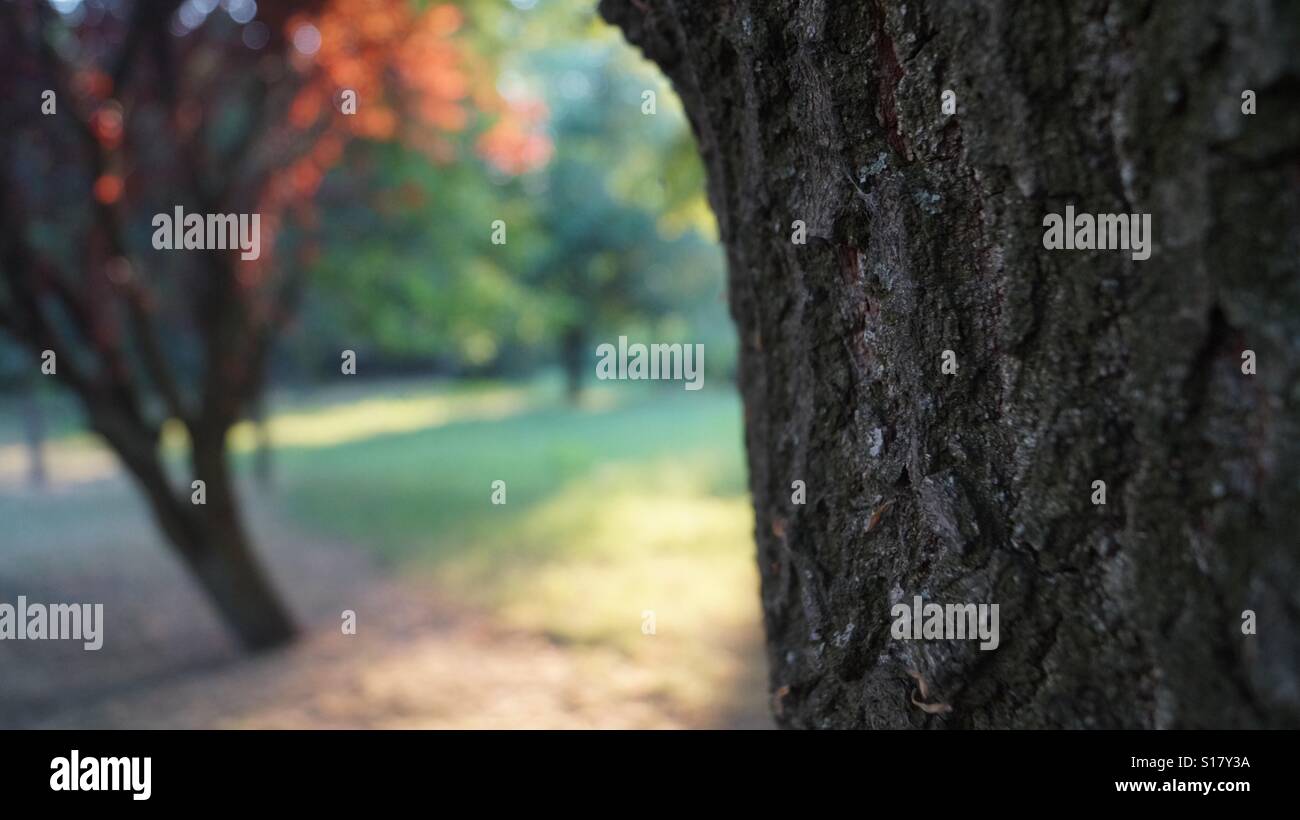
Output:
x=218 y=120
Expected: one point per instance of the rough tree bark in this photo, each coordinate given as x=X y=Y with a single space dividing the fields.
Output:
x=925 y=234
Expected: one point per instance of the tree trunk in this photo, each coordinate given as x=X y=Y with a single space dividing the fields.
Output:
x=573 y=349
x=209 y=537
x=225 y=564
x=925 y=234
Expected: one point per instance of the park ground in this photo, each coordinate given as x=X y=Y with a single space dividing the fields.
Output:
x=527 y=614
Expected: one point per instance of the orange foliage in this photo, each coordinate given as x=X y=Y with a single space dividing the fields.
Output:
x=516 y=143
x=91 y=82
x=108 y=189
x=106 y=123
x=395 y=58
x=413 y=81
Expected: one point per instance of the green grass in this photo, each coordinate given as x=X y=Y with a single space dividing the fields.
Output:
x=634 y=501
x=425 y=495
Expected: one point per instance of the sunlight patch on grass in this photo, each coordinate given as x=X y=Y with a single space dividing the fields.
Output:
x=634 y=501
x=614 y=508
x=76 y=459
x=82 y=457
x=342 y=423
x=628 y=540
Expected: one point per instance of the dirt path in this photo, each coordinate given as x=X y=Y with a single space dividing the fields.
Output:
x=416 y=661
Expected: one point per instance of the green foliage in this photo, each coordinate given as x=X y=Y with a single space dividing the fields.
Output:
x=612 y=236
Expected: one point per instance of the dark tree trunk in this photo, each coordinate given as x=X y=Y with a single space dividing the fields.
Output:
x=573 y=352
x=224 y=562
x=925 y=234
x=209 y=537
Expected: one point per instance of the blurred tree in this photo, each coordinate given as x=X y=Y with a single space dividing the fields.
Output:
x=607 y=225
x=177 y=104
x=612 y=259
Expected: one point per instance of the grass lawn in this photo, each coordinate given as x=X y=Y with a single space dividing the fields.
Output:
x=633 y=503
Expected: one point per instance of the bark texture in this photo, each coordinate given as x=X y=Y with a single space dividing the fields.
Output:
x=925 y=234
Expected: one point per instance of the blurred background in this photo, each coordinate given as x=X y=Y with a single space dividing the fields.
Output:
x=614 y=588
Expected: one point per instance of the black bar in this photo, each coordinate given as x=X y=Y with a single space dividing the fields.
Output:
x=877 y=771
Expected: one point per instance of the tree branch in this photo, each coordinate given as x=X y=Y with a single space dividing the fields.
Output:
x=109 y=222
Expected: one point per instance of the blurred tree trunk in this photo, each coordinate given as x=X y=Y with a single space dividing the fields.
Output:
x=34 y=434
x=113 y=348
x=925 y=234
x=209 y=537
x=573 y=349
x=222 y=557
